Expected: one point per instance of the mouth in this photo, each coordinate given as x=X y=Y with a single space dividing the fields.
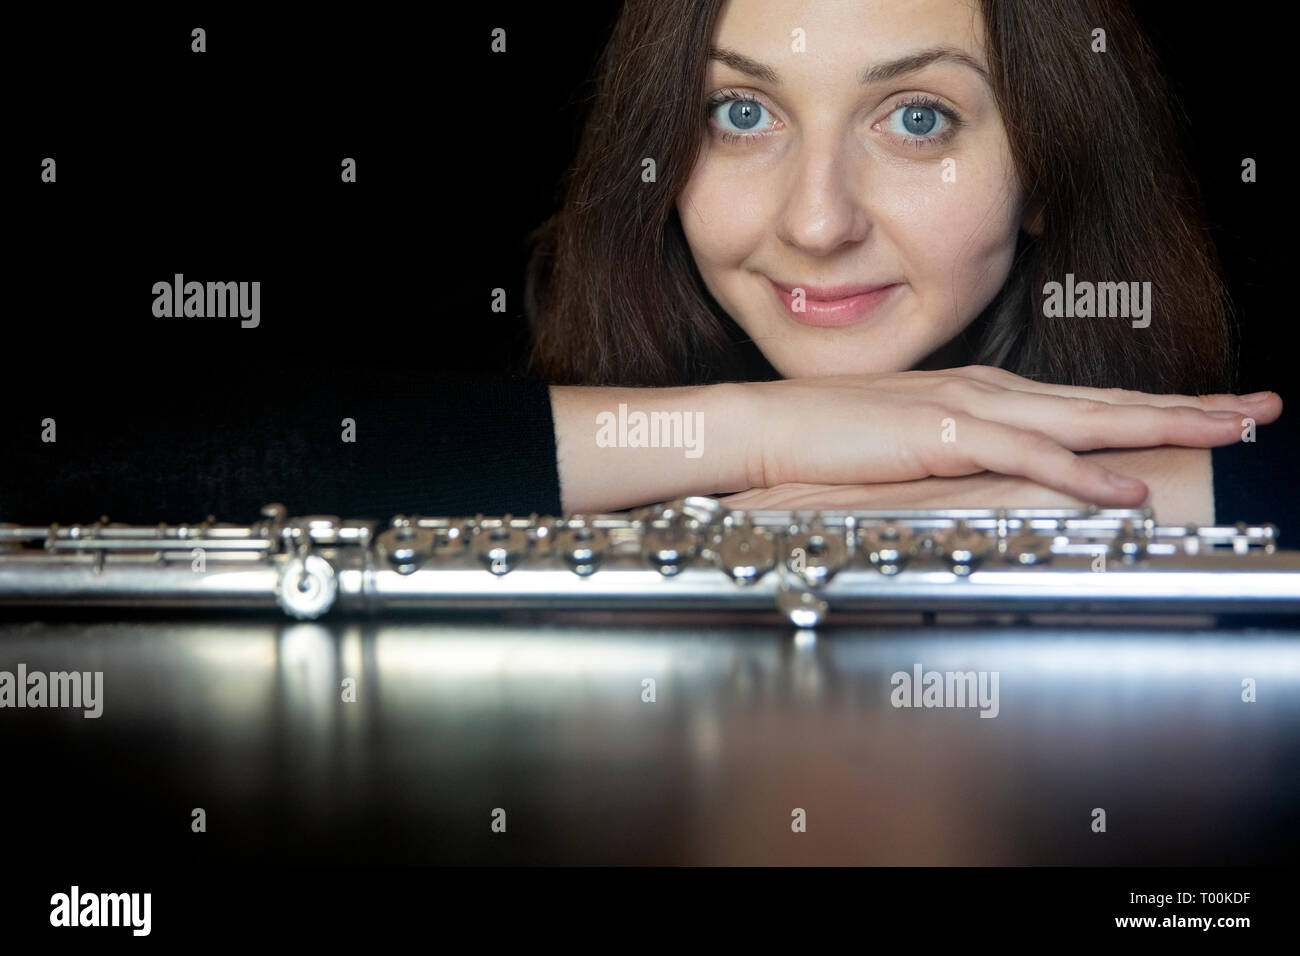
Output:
x=830 y=306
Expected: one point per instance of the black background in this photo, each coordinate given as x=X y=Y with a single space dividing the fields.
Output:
x=226 y=166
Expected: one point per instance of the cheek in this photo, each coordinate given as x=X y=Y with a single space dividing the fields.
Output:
x=723 y=216
x=956 y=239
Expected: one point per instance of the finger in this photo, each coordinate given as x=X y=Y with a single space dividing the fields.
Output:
x=1084 y=424
x=1007 y=450
x=1263 y=407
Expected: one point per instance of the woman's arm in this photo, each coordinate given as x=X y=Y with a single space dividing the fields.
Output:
x=882 y=429
x=604 y=467
x=1180 y=479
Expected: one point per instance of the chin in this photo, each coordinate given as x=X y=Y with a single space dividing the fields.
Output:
x=821 y=359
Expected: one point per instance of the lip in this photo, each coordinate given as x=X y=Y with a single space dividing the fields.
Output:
x=831 y=306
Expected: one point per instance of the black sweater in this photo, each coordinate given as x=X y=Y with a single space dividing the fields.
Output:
x=431 y=444
x=436 y=445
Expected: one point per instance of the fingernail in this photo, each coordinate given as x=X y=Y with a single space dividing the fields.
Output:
x=1255 y=396
x=1119 y=481
x=1224 y=415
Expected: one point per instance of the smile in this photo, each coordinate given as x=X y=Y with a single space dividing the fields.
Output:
x=829 y=306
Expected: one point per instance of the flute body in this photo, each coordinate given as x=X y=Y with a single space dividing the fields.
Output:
x=689 y=554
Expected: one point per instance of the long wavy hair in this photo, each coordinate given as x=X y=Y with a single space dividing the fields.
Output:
x=614 y=297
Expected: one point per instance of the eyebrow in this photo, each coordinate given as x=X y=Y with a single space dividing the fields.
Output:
x=909 y=63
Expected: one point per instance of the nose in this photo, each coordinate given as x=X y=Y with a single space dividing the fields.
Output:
x=824 y=209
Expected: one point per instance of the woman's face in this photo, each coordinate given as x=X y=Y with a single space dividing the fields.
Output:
x=854 y=205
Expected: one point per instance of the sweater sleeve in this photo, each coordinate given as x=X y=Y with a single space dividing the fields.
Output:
x=1255 y=481
x=370 y=446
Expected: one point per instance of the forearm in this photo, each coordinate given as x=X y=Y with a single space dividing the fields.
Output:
x=662 y=443
x=1180 y=481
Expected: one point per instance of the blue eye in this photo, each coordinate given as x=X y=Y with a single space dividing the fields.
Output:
x=918 y=120
x=740 y=116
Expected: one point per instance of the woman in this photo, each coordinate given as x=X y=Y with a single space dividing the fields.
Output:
x=893 y=204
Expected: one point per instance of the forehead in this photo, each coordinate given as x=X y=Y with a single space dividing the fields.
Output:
x=846 y=36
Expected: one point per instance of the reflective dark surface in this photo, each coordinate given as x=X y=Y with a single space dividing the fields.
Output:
x=545 y=719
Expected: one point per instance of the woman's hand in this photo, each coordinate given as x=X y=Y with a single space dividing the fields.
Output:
x=901 y=427
x=880 y=429
x=1180 y=479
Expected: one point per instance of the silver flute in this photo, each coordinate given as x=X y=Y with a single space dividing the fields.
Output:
x=690 y=554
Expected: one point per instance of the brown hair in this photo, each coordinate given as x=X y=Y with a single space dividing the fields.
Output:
x=614 y=296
